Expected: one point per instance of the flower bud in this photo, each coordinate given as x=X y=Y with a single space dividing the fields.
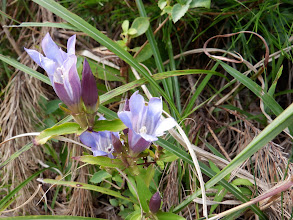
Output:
x=89 y=91
x=155 y=202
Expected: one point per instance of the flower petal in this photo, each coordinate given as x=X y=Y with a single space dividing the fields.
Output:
x=126 y=118
x=136 y=143
x=35 y=55
x=165 y=125
x=137 y=109
x=88 y=139
x=50 y=67
x=71 y=79
x=153 y=116
x=62 y=94
x=71 y=45
x=51 y=49
x=150 y=138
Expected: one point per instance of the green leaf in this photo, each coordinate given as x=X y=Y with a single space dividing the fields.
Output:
x=102 y=161
x=125 y=26
x=200 y=4
x=57 y=130
x=49 y=217
x=240 y=181
x=132 y=31
x=144 y=193
x=86 y=186
x=145 y=54
x=107 y=125
x=100 y=176
x=162 y=4
x=141 y=24
x=179 y=11
x=168 y=216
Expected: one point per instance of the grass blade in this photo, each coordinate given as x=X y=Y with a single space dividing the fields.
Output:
x=25 y=69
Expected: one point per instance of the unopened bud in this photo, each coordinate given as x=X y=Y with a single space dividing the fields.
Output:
x=155 y=202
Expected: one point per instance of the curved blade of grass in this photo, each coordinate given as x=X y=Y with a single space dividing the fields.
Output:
x=20 y=186
x=91 y=31
x=49 y=217
x=25 y=69
x=206 y=170
x=122 y=89
x=45 y=24
x=88 y=187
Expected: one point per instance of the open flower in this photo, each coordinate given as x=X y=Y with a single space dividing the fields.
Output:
x=102 y=142
x=144 y=122
x=61 y=69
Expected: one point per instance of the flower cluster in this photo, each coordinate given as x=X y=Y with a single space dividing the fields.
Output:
x=62 y=72
x=143 y=120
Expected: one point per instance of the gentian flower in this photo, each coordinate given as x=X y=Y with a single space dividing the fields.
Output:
x=102 y=142
x=61 y=69
x=144 y=122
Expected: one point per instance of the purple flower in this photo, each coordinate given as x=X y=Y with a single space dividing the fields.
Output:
x=144 y=122
x=89 y=91
x=61 y=69
x=102 y=142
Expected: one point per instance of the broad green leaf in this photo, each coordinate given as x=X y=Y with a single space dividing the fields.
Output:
x=51 y=217
x=57 y=130
x=200 y=4
x=145 y=54
x=107 y=125
x=179 y=11
x=86 y=186
x=100 y=176
x=125 y=26
x=162 y=4
x=25 y=69
x=143 y=193
x=132 y=31
x=102 y=161
x=141 y=24
x=168 y=216
x=46 y=24
x=19 y=187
